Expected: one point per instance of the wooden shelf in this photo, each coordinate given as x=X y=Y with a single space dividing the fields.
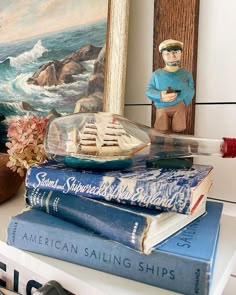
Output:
x=85 y=281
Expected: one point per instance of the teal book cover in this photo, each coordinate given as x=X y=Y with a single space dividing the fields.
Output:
x=165 y=189
x=183 y=263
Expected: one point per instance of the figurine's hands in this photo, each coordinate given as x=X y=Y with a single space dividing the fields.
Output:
x=167 y=97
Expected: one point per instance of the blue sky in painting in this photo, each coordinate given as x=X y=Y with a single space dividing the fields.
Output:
x=24 y=19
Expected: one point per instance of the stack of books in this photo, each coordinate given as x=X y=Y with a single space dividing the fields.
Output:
x=150 y=225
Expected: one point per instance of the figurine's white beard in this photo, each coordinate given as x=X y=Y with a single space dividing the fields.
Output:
x=173 y=63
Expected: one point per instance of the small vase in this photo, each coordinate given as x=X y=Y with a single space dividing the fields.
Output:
x=10 y=181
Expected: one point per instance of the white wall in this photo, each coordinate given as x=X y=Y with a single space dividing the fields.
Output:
x=139 y=65
x=216 y=79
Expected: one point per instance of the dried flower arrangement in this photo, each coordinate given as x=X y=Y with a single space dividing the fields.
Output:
x=25 y=145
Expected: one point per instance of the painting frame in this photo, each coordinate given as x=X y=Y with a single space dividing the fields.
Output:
x=168 y=25
x=116 y=56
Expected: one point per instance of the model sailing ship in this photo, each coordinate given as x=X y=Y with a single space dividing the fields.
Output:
x=102 y=135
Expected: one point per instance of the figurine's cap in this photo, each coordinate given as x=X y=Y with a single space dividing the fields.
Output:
x=170 y=43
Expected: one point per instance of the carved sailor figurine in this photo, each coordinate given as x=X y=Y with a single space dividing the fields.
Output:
x=171 y=89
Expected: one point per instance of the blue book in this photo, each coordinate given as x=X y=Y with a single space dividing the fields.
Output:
x=183 y=263
x=164 y=189
x=132 y=226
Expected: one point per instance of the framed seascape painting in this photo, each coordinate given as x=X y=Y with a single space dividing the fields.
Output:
x=56 y=57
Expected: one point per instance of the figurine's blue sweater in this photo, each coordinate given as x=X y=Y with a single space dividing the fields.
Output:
x=180 y=80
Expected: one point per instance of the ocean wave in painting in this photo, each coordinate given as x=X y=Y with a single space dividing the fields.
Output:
x=28 y=56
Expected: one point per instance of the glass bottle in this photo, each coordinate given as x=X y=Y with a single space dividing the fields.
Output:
x=108 y=141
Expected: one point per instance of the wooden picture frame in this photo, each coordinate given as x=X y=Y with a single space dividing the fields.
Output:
x=22 y=92
x=177 y=19
x=117 y=43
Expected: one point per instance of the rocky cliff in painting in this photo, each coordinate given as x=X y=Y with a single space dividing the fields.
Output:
x=58 y=72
